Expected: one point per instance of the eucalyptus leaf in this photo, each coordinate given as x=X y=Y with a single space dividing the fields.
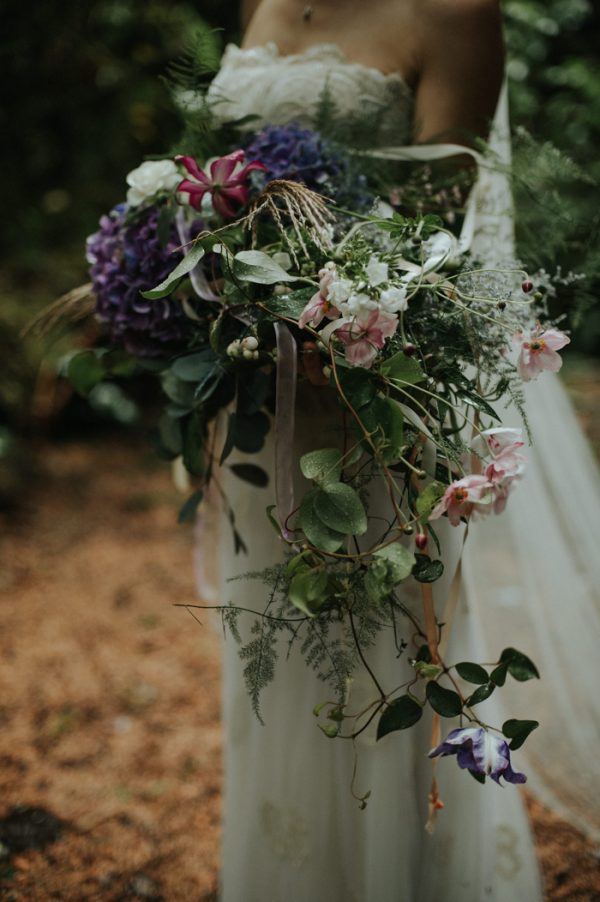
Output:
x=443 y=701
x=317 y=533
x=193 y=256
x=194 y=367
x=308 y=590
x=258 y=267
x=400 y=714
x=339 y=507
x=323 y=467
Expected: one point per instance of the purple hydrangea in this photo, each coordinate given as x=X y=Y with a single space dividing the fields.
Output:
x=302 y=155
x=127 y=258
x=480 y=752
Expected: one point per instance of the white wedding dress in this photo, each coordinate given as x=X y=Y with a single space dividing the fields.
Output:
x=292 y=830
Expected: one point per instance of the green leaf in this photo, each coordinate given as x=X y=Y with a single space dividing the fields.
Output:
x=290 y=305
x=169 y=430
x=85 y=370
x=428 y=498
x=518 y=731
x=477 y=776
x=444 y=701
x=188 y=510
x=181 y=393
x=194 y=367
x=473 y=400
x=520 y=667
x=340 y=508
x=472 y=673
x=323 y=467
x=192 y=258
x=308 y=590
x=401 y=368
x=317 y=533
x=251 y=473
x=383 y=420
x=400 y=714
x=426 y=570
x=359 y=386
x=481 y=694
x=193 y=441
x=400 y=559
x=258 y=267
x=498 y=675
x=249 y=431
x=331 y=730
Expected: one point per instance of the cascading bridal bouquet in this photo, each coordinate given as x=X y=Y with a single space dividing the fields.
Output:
x=282 y=262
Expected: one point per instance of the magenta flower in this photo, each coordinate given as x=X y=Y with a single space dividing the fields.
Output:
x=225 y=182
x=538 y=351
x=480 y=752
x=319 y=305
x=365 y=335
x=464 y=497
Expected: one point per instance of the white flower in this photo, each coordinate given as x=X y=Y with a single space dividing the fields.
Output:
x=393 y=300
x=339 y=290
x=439 y=248
x=358 y=303
x=149 y=178
x=377 y=271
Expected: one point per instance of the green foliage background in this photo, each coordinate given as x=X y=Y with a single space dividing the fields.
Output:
x=84 y=103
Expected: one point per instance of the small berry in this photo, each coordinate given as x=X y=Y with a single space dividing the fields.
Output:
x=421 y=541
x=501 y=305
x=247 y=354
x=409 y=349
x=538 y=296
x=407 y=530
x=527 y=286
x=250 y=343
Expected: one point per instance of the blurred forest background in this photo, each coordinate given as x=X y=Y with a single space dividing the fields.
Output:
x=84 y=103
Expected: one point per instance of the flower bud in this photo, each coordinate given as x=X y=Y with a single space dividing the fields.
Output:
x=409 y=349
x=527 y=286
x=421 y=541
x=407 y=529
x=327 y=371
x=280 y=289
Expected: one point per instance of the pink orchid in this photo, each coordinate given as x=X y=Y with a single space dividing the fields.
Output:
x=538 y=351
x=319 y=306
x=463 y=498
x=502 y=472
x=366 y=334
x=496 y=439
x=225 y=185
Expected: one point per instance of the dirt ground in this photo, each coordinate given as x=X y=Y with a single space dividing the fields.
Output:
x=110 y=746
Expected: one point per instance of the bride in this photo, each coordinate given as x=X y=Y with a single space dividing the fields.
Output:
x=293 y=830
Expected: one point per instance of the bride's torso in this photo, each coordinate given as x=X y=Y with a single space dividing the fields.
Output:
x=277 y=89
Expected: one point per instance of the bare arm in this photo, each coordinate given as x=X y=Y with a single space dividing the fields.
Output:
x=247 y=10
x=461 y=69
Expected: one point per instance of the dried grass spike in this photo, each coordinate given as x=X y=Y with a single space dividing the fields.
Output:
x=72 y=307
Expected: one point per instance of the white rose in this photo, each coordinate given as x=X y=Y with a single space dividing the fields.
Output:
x=339 y=291
x=377 y=271
x=393 y=299
x=151 y=177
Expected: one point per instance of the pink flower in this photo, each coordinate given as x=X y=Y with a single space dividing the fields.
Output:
x=319 y=306
x=463 y=497
x=366 y=334
x=538 y=351
x=225 y=185
x=502 y=472
x=495 y=440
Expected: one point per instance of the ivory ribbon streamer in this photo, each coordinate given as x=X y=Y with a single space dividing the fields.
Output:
x=197 y=277
x=285 y=415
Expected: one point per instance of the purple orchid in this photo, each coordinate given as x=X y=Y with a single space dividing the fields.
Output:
x=480 y=752
x=225 y=182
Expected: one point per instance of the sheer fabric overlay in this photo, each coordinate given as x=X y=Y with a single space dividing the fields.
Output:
x=292 y=829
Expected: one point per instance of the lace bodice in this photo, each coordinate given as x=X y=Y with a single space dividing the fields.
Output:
x=278 y=89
